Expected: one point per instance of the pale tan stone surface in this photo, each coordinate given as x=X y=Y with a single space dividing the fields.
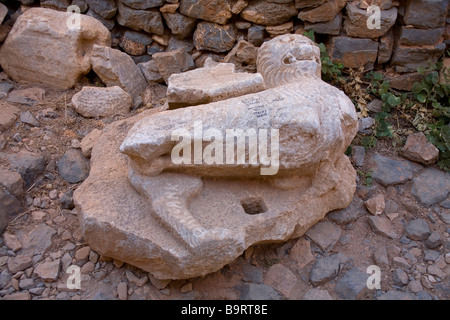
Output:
x=185 y=221
x=40 y=48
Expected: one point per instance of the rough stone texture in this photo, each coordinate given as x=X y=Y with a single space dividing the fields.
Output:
x=256 y=35
x=278 y=30
x=352 y=286
x=29 y=97
x=3 y=12
x=217 y=11
x=344 y=216
x=417 y=229
x=403 y=81
x=12 y=242
x=256 y=291
x=317 y=294
x=214 y=37
x=355 y=24
x=41 y=49
x=332 y=27
x=220 y=220
x=211 y=84
x=38 y=239
x=301 y=253
x=358 y=154
x=433 y=241
x=243 y=56
x=419 y=149
x=408 y=59
x=399 y=277
x=180 y=25
x=19 y=263
x=386 y=47
x=95 y=102
x=376 y=204
x=431 y=186
x=108 y=23
x=280 y=278
x=29 y=165
x=8 y=115
x=73 y=166
x=148 y=20
x=353 y=52
x=327 y=268
x=60 y=5
x=135 y=43
x=269 y=13
x=107 y=9
x=142 y=4
x=48 y=271
x=88 y=142
x=425 y=14
x=173 y=62
x=324 y=12
x=12 y=181
x=381 y=258
x=116 y=68
x=28 y=118
x=151 y=72
x=419 y=37
x=324 y=234
x=382 y=226
x=395 y=295
x=389 y=171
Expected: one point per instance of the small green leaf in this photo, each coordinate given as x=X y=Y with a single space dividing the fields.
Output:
x=421 y=97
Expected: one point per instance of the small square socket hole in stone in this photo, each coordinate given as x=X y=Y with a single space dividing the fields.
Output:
x=253 y=205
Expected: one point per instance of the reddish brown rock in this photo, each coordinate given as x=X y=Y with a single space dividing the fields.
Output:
x=213 y=37
x=325 y=12
x=353 y=52
x=217 y=11
x=419 y=149
x=269 y=13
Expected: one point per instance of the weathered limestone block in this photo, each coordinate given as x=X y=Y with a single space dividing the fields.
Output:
x=269 y=13
x=116 y=68
x=41 y=48
x=94 y=102
x=211 y=84
x=184 y=220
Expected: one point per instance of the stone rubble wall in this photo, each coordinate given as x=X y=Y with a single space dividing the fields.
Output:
x=172 y=36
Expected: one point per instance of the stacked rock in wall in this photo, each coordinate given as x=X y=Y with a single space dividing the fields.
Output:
x=396 y=35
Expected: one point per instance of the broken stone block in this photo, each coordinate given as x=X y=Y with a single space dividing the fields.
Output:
x=325 y=12
x=353 y=52
x=173 y=62
x=95 y=102
x=41 y=49
x=149 y=21
x=180 y=25
x=217 y=11
x=269 y=13
x=116 y=68
x=209 y=84
x=329 y=27
x=179 y=221
x=425 y=14
x=419 y=149
x=214 y=37
x=151 y=72
x=408 y=59
x=243 y=56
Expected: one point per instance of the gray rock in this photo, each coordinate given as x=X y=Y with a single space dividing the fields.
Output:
x=423 y=295
x=317 y=294
x=48 y=271
x=399 y=277
x=381 y=257
x=445 y=217
x=142 y=4
x=256 y=35
x=269 y=13
x=116 y=68
x=430 y=255
x=417 y=229
x=28 y=118
x=29 y=165
x=358 y=154
x=148 y=20
x=253 y=291
x=5 y=277
x=108 y=23
x=213 y=37
x=12 y=181
x=431 y=186
x=332 y=27
x=73 y=166
x=5 y=88
x=353 y=52
x=382 y=226
x=408 y=59
x=66 y=200
x=446 y=203
x=180 y=25
x=252 y=273
x=150 y=71
x=433 y=241
x=10 y=206
x=355 y=210
x=175 y=44
x=365 y=124
x=38 y=240
x=389 y=171
x=353 y=285
x=26 y=284
x=375 y=105
x=135 y=43
x=395 y=295
x=327 y=268
x=415 y=286
x=419 y=37
x=425 y=14
x=324 y=234
x=107 y=9
x=60 y=5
